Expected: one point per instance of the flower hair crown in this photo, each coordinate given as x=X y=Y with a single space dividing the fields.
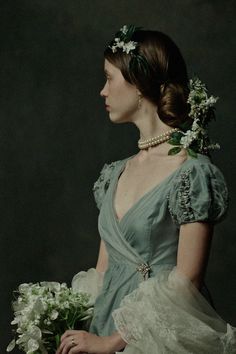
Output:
x=192 y=135
x=123 y=42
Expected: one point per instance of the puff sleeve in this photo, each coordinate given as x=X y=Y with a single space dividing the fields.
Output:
x=167 y=314
x=89 y=282
x=102 y=183
x=199 y=193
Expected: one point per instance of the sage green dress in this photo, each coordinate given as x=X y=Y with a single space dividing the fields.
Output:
x=143 y=246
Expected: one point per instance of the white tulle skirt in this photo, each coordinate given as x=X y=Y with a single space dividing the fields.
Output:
x=166 y=314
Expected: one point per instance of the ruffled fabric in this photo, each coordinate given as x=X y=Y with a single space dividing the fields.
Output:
x=89 y=282
x=168 y=315
x=102 y=183
x=198 y=194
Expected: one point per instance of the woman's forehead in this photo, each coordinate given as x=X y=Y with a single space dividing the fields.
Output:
x=109 y=67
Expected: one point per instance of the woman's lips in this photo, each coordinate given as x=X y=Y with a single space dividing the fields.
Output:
x=107 y=107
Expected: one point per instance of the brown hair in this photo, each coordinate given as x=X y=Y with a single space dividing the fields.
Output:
x=166 y=83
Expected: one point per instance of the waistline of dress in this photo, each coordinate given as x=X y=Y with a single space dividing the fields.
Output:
x=146 y=269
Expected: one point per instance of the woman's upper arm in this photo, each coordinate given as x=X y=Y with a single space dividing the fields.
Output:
x=102 y=261
x=193 y=250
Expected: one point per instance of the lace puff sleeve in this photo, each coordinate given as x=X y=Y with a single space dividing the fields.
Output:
x=89 y=282
x=166 y=314
x=102 y=183
x=199 y=194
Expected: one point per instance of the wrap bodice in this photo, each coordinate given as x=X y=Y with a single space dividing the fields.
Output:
x=145 y=240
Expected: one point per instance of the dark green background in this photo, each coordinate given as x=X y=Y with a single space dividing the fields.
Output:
x=55 y=135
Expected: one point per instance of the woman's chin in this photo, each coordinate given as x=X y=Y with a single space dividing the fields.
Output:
x=115 y=118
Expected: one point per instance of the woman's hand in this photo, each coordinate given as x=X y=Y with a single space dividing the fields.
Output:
x=73 y=342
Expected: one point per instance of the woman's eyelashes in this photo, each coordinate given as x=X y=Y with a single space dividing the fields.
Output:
x=107 y=76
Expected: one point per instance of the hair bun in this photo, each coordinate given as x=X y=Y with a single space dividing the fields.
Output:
x=172 y=105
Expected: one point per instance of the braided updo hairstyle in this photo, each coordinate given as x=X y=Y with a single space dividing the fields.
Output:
x=166 y=82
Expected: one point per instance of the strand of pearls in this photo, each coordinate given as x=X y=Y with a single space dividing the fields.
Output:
x=156 y=140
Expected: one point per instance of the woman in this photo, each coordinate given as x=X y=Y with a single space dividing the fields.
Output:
x=157 y=211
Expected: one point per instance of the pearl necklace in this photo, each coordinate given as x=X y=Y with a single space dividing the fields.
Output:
x=156 y=140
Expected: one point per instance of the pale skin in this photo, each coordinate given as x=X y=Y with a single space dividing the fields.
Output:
x=150 y=167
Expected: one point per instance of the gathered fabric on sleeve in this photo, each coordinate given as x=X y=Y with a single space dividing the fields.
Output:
x=167 y=314
x=102 y=183
x=199 y=194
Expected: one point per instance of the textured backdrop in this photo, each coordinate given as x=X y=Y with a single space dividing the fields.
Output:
x=55 y=135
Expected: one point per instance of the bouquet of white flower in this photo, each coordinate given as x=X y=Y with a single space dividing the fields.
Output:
x=43 y=311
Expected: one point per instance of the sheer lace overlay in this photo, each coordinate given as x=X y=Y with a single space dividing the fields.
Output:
x=89 y=282
x=167 y=314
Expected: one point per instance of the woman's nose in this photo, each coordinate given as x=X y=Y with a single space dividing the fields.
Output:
x=103 y=92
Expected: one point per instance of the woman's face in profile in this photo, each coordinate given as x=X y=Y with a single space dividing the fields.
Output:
x=121 y=98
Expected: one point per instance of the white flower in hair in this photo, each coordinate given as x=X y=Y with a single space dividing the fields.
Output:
x=129 y=46
x=188 y=138
x=126 y=47
x=124 y=29
x=120 y=44
x=196 y=138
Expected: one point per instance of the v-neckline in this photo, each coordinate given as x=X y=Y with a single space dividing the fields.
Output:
x=146 y=194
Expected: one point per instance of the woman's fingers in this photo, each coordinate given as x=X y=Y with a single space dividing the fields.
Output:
x=69 y=332
x=80 y=342
x=70 y=346
x=67 y=344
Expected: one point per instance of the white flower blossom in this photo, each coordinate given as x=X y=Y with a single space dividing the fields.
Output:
x=195 y=125
x=124 y=29
x=51 y=285
x=214 y=146
x=131 y=45
x=33 y=345
x=125 y=46
x=11 y=345
x=54 y=315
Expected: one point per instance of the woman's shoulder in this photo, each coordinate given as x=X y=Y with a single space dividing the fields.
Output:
x=200 y=159
x=203 y=166
x=104 y=179
x=109 y=167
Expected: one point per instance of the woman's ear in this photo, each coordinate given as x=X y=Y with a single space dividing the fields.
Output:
x=138 y=92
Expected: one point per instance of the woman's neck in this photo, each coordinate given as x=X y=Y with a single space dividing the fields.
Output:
x=150 y=124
